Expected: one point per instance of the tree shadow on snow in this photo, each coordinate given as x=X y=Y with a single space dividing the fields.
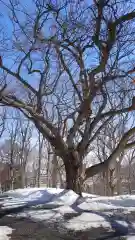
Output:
x=115 y=220
x=118 y=223
x=16 y=206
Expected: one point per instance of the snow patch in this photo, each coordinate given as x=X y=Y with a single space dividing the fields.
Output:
x=4 y=232
x=86 y=221
x=67 y=208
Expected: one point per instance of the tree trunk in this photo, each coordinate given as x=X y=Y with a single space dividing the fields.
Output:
x=39 y=168
x=23 y=177
x=54 y=171
x=11 y=178
x=118 y=166
x=73 y=179
x=107 y=189
x=103 y=177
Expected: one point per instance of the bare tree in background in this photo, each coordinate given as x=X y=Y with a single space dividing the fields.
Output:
x=73 y=67
x=12 y=155
x=49 y=163
x=58 y=172
x=128 y=173
x=2 y=121
x=24 y=142
x=54 y=168
x=15 y=149
x=40 y=148
x=3 y=171
x=105 y=144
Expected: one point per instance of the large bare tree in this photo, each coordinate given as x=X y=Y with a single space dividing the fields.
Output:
x=71 y=72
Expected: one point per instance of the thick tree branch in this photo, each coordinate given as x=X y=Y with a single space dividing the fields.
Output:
x=82 y=146
x=130 y=145
x=124 y=18
x=100 y=167
x=47 y=127
x=116 y=112
x=19 y=78
x=66 y=68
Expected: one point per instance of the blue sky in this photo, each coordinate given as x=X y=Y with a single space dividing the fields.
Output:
x=7 y=25
x=4 y=20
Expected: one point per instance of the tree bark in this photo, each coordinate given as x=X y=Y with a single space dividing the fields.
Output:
x=118 y=166
x=22 y=174
x=107 y=187
x=73 y=179
x=54 y=171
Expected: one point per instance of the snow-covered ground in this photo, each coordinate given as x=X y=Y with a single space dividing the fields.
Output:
x=72 y=212
x=4 y=232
